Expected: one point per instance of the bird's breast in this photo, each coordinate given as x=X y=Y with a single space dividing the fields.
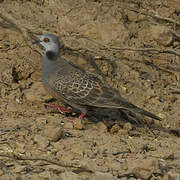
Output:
x=52 y=92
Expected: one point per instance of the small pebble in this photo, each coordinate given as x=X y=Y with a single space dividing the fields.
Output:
x=114 y=129
x=53 y=133
x=77 y=123
x=127 y=126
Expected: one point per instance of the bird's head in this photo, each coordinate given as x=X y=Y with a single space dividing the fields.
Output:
x=50 y=43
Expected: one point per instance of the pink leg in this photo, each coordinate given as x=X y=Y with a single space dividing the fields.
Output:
x=82 y=115
x=61 y=109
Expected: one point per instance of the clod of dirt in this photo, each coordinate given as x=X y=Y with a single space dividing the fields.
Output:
x=101 y=127
x=53 y=132
x=20 y=147
x=145 y=169
x=162 y=35
x=127 y=126
x=122 y=132
x=114 y=129
x=19 y=169
x=78 y=124
x=41 y=141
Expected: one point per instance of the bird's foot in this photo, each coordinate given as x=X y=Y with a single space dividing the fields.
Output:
x=61 y=109
x=82 y=114
x=80 y=117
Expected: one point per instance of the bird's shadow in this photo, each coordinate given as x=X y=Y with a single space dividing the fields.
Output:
x=110 y=117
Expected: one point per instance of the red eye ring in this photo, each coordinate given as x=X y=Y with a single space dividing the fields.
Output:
x=46 y=40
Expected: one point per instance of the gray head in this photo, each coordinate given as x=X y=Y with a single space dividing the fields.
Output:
x=50 y=42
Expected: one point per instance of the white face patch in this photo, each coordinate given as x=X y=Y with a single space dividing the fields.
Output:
x=49 y=44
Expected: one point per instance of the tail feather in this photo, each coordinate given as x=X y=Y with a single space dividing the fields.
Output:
x=112 y=99
x=134 y=108
x=146 y=113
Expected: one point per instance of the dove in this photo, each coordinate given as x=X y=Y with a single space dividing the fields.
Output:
x=71 y=84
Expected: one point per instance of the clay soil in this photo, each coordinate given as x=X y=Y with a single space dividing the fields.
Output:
x=133 y=46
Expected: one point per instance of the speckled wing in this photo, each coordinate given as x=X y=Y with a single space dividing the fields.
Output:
x=77 y=87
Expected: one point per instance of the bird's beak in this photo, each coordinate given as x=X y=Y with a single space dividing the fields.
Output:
x=36 y=42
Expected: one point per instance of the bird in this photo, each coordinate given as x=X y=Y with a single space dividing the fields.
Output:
x=71 y=84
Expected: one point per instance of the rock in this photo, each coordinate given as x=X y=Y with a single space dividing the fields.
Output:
x=122 y=132
x=53 y=132
x=78 y=124
x=114 y=129
x=19 y=169
x=36 y=93
x=127 y=126
x=162 y=35
x=20 y=147
x=68 y=125
x=145 y=169
x=41 y=141
x=132 y=16
x=101 y=127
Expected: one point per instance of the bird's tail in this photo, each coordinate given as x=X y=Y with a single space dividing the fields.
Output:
x=131 y=107
x=146 y=113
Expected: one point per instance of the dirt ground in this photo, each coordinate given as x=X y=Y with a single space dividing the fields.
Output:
x=133 y=46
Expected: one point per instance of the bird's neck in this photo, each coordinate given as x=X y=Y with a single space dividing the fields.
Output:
x=49 y=64
x=52 y=55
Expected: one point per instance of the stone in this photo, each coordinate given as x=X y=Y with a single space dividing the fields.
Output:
x=122 y=132
x=127 y=126
x=19 y=169
x=20 y=147
x=41 y=141
x=53 y=132
x=77 y=123
x=145 y=169
x=101 y=127
x=68 y=125
x=162 y=35
x=114 y=129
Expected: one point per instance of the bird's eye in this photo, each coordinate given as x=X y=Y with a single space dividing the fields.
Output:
x=46 y=40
